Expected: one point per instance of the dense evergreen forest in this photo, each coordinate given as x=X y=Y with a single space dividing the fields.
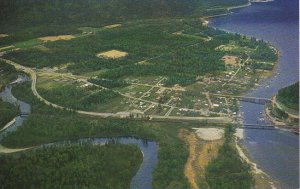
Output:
x=33 y=18
x=7 y=113
x=228 y=171
x=289 y=96
x=8 y=74
x=71 y=166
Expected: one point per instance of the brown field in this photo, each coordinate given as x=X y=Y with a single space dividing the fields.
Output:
x=56 y=38
x=112 y=54
x=113 y=26
x=230 y=60
x=200 y=154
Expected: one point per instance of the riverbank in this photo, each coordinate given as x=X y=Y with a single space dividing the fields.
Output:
x=281 y=123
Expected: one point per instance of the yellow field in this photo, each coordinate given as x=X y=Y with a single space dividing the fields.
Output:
x=112 y=54
x=56 y=38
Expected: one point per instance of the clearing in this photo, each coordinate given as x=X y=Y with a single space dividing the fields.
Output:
x=112 y=54
x=56 y=38
x=230 y=60
x=113 y=26
x=201 y=153
x=3 y=35
x=209 y=133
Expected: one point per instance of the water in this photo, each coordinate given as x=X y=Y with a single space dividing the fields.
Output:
x=276 y=152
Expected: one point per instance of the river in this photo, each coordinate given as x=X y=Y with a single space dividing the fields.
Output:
x=275 y=151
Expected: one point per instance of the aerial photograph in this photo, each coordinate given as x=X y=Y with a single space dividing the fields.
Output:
x=149 y=94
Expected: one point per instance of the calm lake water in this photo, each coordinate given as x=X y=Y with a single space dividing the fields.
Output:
x=276 y=152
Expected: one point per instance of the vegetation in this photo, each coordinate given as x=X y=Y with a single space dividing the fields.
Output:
x=34 y=19
x=289 y=96
x=8 y=73
x=71 y=166
x=228 y=171
x=7 y=112
x=163 y=39
x=109 y=83
x=264 y=53
x=75 y=97
x=279 y=113
x=46 y=124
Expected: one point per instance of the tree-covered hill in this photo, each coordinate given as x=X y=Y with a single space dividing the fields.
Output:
x=289 y=96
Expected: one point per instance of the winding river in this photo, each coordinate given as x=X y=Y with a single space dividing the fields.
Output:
x=275 y=151
x=149 y=149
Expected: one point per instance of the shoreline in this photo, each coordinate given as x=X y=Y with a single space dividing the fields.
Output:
x=228 y=9
x=279 y=123
x=262 y=179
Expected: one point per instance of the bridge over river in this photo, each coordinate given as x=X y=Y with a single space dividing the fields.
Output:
x=256 y=100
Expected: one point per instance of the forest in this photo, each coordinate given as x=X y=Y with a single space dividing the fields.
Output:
x=71 y=166
x=289 y=96
x=35 y=18
x=7 y=113
x=8 y=74
x=264 y=53
x=227 y=170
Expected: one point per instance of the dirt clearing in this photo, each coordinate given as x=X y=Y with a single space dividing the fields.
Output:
x=113 y=26
x=112 y=54
x=57 y=38
x=230 y=60
x=3 y=35
x=209 y=133
x=200 y=154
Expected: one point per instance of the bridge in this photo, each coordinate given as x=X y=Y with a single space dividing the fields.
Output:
x=257 y=126
x=24 y=114
x=255 y=100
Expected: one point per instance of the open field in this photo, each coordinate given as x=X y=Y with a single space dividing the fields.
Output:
x=56 y=38
x=113 y=54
